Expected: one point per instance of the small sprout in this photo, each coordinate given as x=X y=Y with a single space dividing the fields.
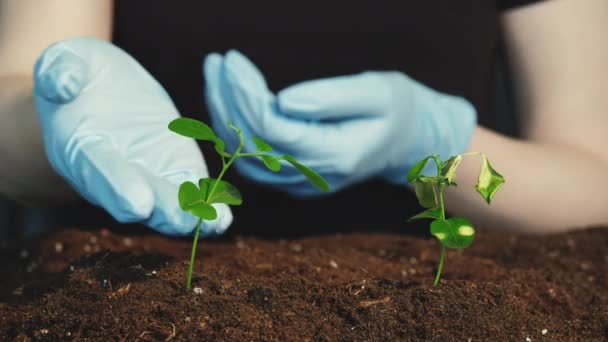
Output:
x=198 y=199
x=455 y=232
x=198 y=290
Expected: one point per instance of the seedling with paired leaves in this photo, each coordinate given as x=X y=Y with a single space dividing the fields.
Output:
x=198 y=200
x=455 y=232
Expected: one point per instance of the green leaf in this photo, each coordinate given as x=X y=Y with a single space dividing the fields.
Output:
x=431 y=213
x=425 y=192
x=272 y=163
x=195 y=129
x=203 y=211
x=188 y=193
x=192 y=129
x=311 y=175
x=224 y=192
x=489 y=180
x=448 y=169
x=220 y=145
x=416 y=170
x=191 y=200
x=261 y=145
x=456 y=232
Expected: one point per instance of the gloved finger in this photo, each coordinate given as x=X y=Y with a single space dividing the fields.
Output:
x=59 y=74
x=218 y=108
x=104 y=177
x=168 y=218
x=248 y=72
x=251 y=102
x=336 y=98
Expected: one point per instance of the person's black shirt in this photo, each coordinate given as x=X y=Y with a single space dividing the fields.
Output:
x=445 y=44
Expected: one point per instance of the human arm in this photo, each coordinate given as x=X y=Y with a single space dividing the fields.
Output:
x=103 y=121
x=556 y=173
x=26 y=28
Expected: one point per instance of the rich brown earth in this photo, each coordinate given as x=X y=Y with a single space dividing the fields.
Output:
x=102 y=285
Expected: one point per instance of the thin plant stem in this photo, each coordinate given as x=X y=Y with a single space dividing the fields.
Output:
x=441 y=205
x=440 y=266
x=440 y=190
x=256 y=154
x=193 y=253
x=225 y=166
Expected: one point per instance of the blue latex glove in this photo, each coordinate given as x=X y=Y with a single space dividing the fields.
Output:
x=347 y=128
x=104 y=123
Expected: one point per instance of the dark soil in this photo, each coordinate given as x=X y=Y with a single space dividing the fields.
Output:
x=102 y=285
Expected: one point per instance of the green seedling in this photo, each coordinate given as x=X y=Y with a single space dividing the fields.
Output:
x=455 y=232
x=198 y=200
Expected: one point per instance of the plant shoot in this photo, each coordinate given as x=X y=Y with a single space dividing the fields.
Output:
x=198 y=199
x=455 y=232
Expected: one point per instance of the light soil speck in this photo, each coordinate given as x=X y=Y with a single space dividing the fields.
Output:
x=127 y=242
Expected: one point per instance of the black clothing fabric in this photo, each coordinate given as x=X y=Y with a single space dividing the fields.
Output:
x=445 y=44
x=508 y=4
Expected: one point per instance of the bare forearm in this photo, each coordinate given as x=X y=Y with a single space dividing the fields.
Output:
x=549 y=188
x=25 y=174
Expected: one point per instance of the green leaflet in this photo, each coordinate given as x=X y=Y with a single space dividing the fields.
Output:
x=192 y=129
x=191 y=200
x=448 y=170
x=272 y=163
x=489 y=180
x=416 y=170
x=224 y=192
x=261 y=145
x=455 y=232
x=425 y=192
x=312 y=176
x=431 y=213
x=195 y=129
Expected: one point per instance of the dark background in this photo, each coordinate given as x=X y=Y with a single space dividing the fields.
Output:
x=452 y=46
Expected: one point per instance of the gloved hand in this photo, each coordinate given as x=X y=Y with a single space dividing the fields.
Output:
x=346 y=128
x=104 y=123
